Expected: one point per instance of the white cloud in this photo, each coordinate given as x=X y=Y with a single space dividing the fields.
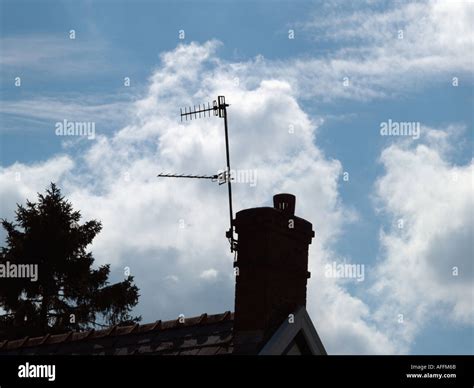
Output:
x=436 y=37
x=432 y=199
x=45 y=52
x=49 y=110
x=19 y=181
x=367 y=51
x=172 y=279
x=209 y=274
x=344 y=321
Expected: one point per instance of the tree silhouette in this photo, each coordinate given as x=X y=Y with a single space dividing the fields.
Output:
x=68 y=293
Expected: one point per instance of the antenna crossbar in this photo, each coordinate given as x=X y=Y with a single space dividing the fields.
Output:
x=218 y=107
x=212 y=177
x=196 y=113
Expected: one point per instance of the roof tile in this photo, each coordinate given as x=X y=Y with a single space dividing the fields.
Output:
x=58 y=338
x=124 y=330
x=208 y=351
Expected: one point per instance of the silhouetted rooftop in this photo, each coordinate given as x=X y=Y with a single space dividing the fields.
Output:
x=202 y=335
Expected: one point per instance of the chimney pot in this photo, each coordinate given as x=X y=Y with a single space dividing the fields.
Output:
x=285 y=203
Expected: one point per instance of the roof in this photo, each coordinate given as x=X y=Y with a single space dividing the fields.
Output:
x=202 y=335
x=300 y=336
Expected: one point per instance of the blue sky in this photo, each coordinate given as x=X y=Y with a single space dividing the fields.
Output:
x=243 y=50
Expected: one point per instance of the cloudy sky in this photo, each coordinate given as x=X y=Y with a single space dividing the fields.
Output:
x=310 y=86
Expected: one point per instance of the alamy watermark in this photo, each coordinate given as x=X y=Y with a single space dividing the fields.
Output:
x=345 y=271
x=75 y=128
x=15 y=271
x=400 y=128
x=30 y=371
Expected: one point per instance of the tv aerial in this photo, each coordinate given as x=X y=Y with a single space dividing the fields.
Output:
x=219 y=109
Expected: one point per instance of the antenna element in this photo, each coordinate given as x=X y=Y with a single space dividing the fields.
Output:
x=219 y=109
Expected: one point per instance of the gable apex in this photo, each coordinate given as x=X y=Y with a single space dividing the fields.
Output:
x=288 y=334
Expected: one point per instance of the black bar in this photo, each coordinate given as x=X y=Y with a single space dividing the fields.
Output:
x=265 y=371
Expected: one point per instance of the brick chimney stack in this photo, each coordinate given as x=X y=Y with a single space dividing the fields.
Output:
x=271 y=270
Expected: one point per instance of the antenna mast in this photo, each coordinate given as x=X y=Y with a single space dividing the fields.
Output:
x=219 y=108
